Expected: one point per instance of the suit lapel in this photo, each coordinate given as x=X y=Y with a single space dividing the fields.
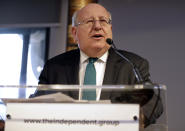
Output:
x=112 y=68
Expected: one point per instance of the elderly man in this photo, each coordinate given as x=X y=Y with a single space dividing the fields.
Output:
x=91 y=27
x=95 y=62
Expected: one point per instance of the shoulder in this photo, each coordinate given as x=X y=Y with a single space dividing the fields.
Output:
x=139 y=63
x=129 y=55
x=132 y=60
x=132 y=56
x=65 y=57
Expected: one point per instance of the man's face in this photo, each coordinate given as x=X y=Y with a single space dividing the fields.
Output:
x=92 y=31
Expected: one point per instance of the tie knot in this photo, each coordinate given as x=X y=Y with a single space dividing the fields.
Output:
x=92 y=60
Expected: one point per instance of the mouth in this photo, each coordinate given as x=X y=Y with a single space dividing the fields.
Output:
x=97 y=36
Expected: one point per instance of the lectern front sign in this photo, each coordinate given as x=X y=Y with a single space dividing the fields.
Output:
x=72 y=117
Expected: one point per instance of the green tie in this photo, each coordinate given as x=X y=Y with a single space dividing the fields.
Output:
x=90 y=79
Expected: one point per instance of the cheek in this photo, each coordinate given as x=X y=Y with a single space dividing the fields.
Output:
x=82 y=38
x=108 y=32
x=82 y=35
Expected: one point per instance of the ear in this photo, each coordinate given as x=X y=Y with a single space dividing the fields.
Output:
x=74 y=33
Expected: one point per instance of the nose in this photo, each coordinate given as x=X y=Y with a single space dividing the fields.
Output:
x=97 y=25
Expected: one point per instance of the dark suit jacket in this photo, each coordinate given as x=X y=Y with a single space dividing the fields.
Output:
x=64 y=69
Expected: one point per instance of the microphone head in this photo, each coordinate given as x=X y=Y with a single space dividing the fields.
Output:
x=109 y=41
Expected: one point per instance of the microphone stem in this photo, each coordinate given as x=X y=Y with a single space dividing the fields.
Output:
x=135 y=69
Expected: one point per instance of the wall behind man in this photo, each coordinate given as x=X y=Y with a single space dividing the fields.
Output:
x=155 y=29
x=29 y=11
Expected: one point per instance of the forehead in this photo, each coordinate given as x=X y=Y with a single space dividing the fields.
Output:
x=92 y=10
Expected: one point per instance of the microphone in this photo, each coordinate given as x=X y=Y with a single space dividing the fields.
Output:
x=135 y=69
x=137 y=74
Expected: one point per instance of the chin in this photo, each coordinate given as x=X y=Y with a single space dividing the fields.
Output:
x=99 y=45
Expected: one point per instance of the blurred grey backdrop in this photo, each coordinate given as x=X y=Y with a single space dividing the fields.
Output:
x=155 y=29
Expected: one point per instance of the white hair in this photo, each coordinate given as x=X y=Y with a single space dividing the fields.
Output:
x=74 y=18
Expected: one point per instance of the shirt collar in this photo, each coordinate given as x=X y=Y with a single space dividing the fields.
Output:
x=84 y=57
x=103 y=58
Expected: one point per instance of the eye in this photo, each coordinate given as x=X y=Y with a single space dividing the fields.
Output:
x=89 y=21
x=103 y=21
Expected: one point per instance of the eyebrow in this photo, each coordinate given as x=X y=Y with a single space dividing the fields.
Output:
x=94 y=17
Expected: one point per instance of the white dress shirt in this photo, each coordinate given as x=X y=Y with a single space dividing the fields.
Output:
x=100 y=66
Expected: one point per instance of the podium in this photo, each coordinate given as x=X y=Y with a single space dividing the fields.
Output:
x=117 y=107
